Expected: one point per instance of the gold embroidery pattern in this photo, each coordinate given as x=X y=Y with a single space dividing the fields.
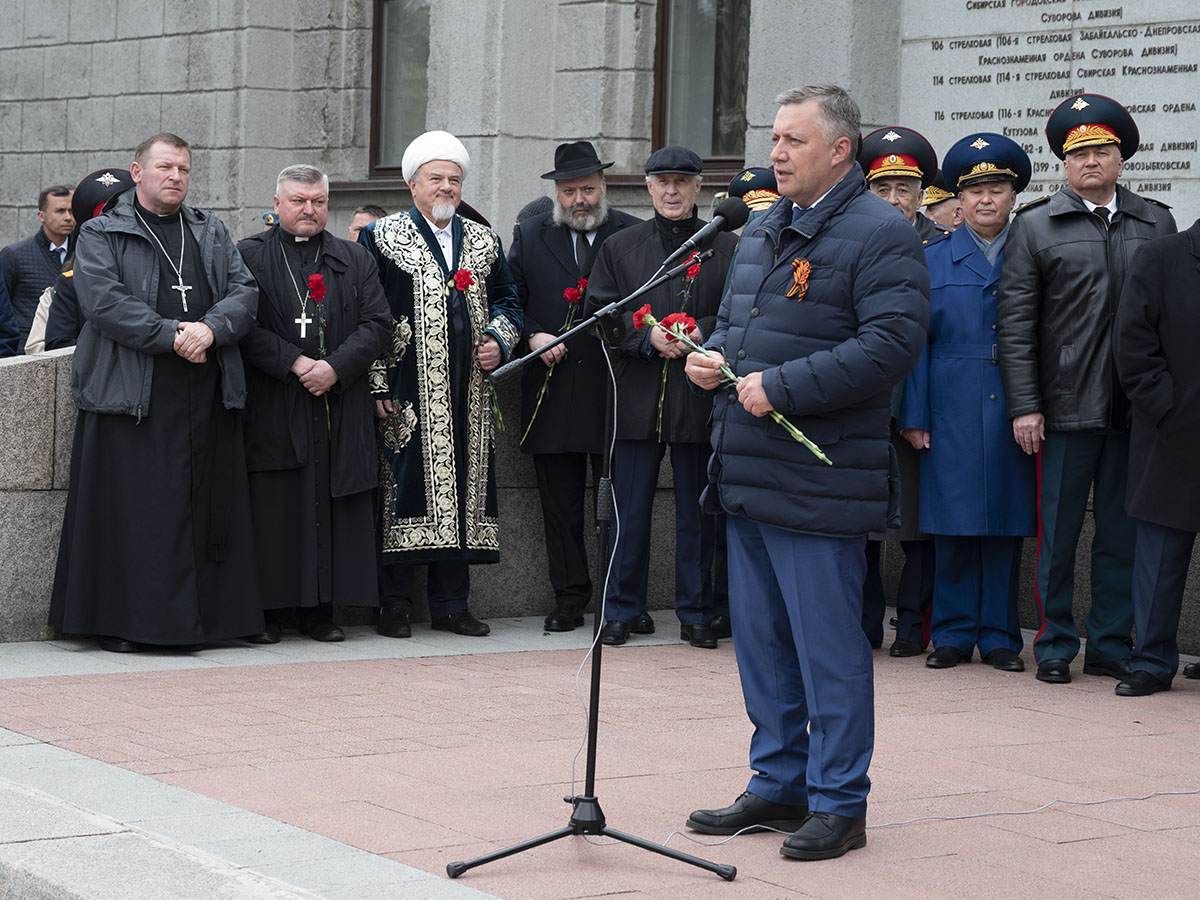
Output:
x=400 y=240
x=401 y=338
x=398 y=427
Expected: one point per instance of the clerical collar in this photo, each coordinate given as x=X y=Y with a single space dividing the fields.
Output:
x=296 y=238
x=154 y=217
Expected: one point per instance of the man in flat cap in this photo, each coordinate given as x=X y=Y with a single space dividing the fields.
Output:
x=898 y=164
x=1065 y=265
x=940 y=205
x=562 y=401
x=977 y=487
x=456 y=317
x=656 y=408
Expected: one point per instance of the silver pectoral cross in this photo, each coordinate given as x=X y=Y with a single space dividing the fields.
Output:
x=303 y=322
x=183 y=289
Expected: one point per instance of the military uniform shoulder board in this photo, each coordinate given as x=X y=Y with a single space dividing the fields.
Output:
x=1156 y=202
x=937 y=239
x=1032 y=203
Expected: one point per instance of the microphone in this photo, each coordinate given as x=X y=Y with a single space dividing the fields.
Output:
x=730 y=214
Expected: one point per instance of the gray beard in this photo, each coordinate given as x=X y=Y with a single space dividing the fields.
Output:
x=443 y=211
x=590 y=222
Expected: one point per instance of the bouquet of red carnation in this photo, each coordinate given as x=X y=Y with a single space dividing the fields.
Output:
x=678 y=329
x=574 y=298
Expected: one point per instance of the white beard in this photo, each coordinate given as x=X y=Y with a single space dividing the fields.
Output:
x=443 y=211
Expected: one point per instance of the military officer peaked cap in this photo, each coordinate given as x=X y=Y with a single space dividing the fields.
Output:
x=897 y=152
x=1088 y=120
x=96 y=190
x=756 y=186
x=983 y=157
x=574 y=160
x=937 y=192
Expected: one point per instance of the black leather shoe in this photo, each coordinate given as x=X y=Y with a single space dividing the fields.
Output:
x=1141 y=684
x=564 y=618
x=721 y=626
x=1054 y=671
x=118 y=645
x=901 y=647
x=945 y=658
x=698 y=636
x=825 y=836
x=1113 y=668
x=643 y=624
x=614 y=633
x=1192 y=670
x=325 y=632
x=1005 y=660
x=748 y=812
x=462 y=623
x=393 y=621
x=271 y=634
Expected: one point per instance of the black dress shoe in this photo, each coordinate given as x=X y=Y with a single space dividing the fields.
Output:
x=643 y=624
x=1113 y=668
x=721 y=626
x=564 y=618
x=117 y=645
x=325 y=632
x=901 y=647
x=945 y=658
x=271 y=634
x=393 y=621
x=1005 y=660
x=698 y=636
x=614 y=633
x=462 y=623
x=1141 y=684
x=748 y=812
x=825 y=836
x=1192 y=670
x=1054 y=671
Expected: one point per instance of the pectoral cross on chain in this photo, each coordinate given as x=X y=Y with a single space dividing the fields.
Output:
x=304 y=321
x=183 y=289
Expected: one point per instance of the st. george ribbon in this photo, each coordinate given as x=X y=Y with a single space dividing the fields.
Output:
x=730 y=214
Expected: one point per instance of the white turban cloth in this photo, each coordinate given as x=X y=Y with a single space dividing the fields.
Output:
x=430 y=146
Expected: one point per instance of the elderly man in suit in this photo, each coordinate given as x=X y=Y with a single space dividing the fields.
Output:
x=562 y=402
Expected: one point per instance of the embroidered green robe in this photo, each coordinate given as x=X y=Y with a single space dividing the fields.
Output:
x=437 y=480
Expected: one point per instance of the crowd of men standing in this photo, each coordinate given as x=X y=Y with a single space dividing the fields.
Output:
x=273 y=428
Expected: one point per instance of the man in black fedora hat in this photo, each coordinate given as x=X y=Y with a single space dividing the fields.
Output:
x=562 y=400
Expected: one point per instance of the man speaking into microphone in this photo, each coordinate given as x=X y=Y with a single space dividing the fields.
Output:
x=825 y=311
x=655 y=407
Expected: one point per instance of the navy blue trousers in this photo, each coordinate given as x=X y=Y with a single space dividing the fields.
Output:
x=1160 y=567
x=975 y=593
x=635 y=479
x=805 y=664
x=1070 y=464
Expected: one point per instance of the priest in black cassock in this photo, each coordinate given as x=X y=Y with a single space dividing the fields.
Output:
x=157 y=546
x=310 y=435
x=456 y=317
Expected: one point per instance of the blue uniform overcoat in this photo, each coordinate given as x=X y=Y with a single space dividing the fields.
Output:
x=975 y=480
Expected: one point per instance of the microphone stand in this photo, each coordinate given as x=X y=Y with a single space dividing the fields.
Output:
x=586 y=816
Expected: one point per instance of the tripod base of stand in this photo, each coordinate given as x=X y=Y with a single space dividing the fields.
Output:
x=588 y=818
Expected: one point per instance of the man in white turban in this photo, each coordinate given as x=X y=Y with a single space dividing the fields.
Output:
x=456 y=317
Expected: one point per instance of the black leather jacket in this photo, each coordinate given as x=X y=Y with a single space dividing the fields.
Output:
x=1059 y=287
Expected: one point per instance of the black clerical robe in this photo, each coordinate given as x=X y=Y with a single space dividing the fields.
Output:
x=156 y=544
x=437 y=474
x=312 y=459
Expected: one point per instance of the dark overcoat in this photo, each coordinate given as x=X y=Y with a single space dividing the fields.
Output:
x=542 y=259
x=1157 y=336
x=975 y=480
x=624 y=263
x=278 y=416
x=829 y=359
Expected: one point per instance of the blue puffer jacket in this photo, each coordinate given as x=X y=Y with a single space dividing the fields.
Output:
x=829 y=360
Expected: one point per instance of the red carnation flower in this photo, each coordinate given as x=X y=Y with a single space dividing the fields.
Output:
x=463 y=279
x=572 y=295
x=693 y=268
x=678 y=318
x=639 y=317
x=582 y=286
x=316 y=287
